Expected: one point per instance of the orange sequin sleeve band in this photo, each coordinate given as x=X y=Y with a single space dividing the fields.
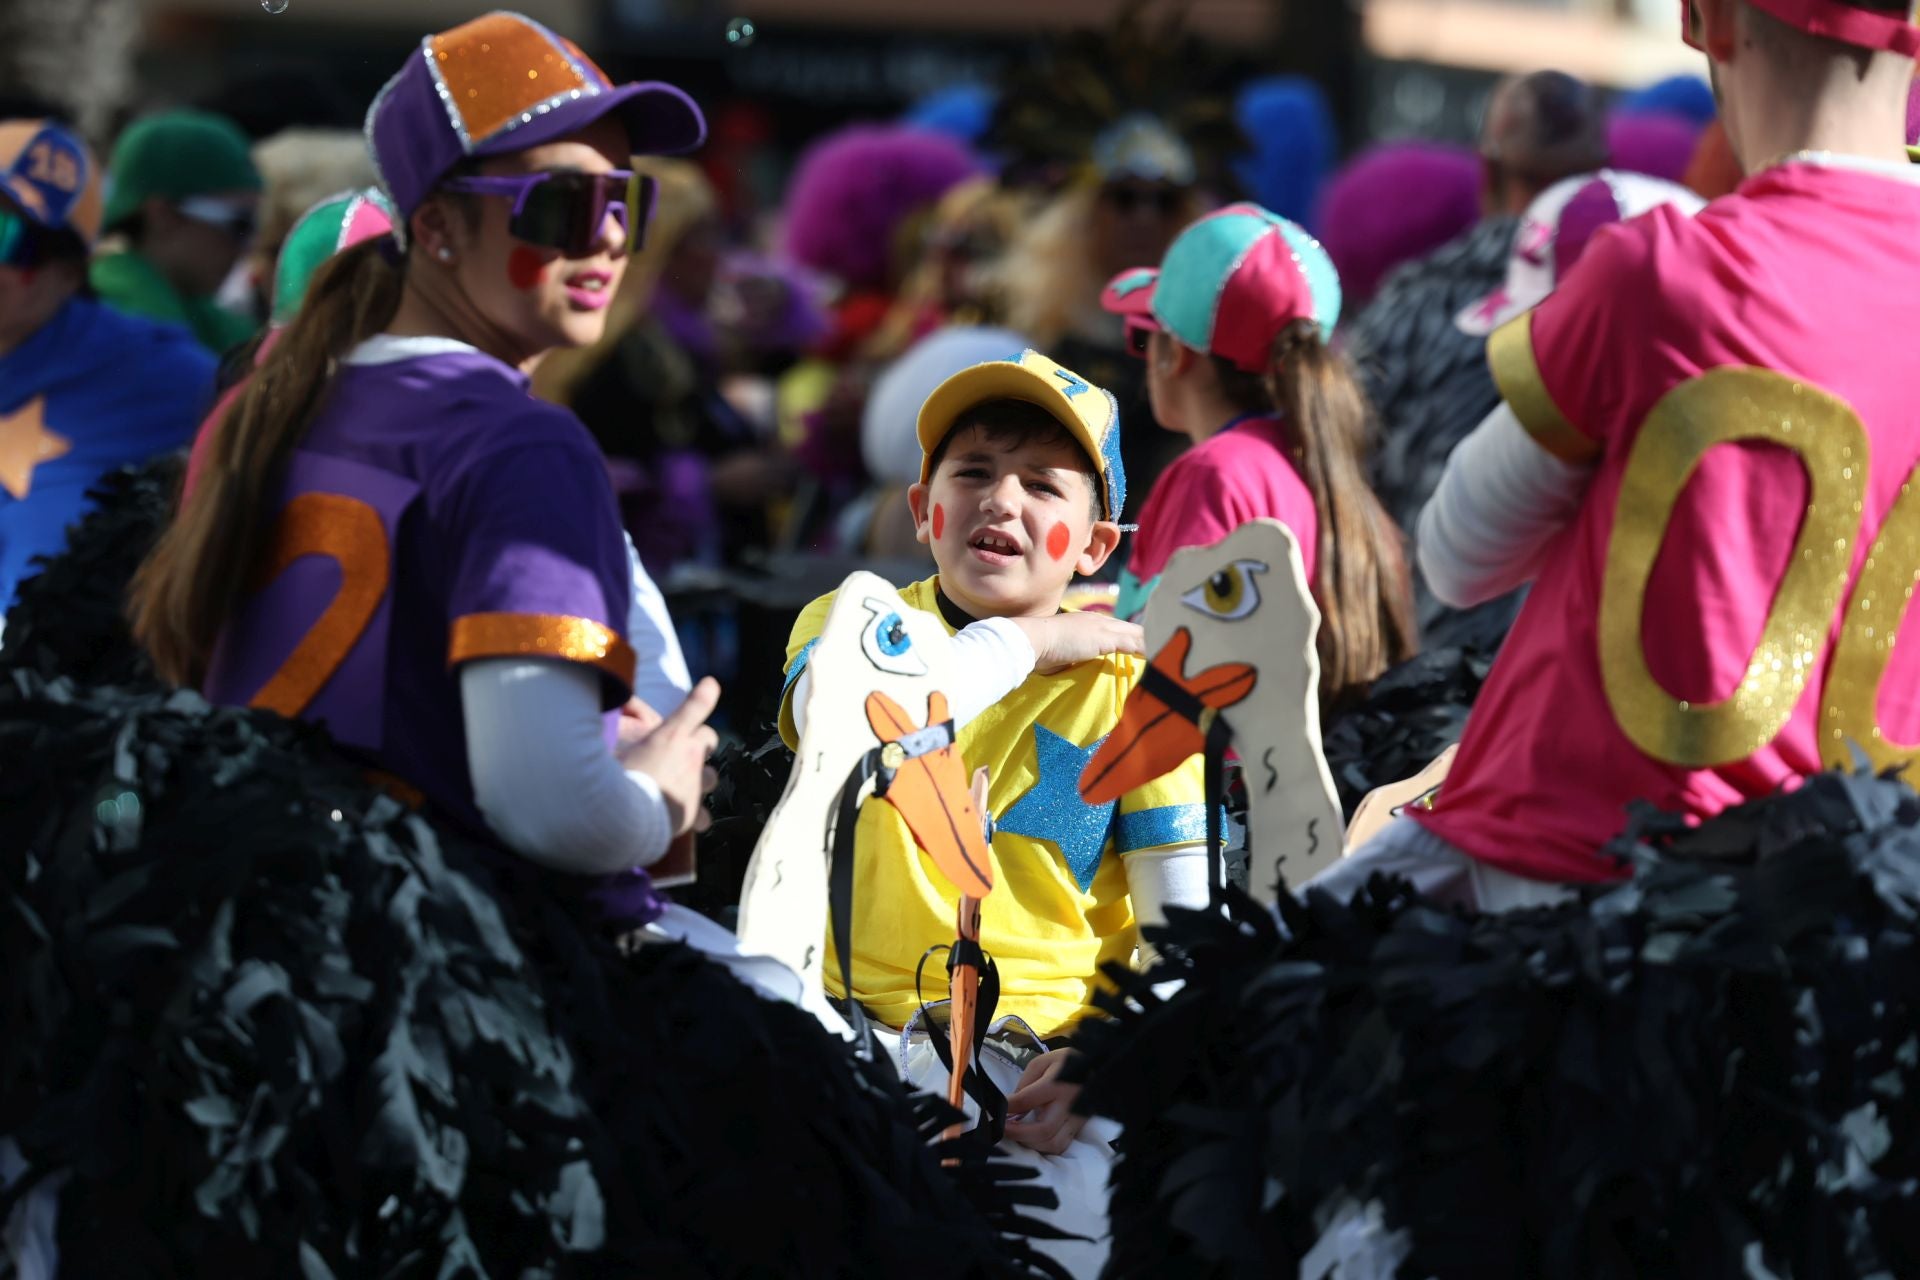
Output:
x=541 y=635
x=1517 y=373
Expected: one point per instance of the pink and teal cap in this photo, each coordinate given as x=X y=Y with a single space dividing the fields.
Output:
x=1230 y=283
x=322 y=231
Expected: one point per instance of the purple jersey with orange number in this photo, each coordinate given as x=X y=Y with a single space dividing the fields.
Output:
x=1719 y=618
x=436 y=513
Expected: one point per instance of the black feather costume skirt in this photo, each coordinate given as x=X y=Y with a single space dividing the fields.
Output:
x=1708 y=1070
x=262 y=1020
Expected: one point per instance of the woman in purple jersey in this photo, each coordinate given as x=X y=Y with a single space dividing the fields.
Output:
x=394 y=537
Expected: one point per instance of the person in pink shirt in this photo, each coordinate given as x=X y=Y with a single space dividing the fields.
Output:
x=1234 y=327
x=1706 y=465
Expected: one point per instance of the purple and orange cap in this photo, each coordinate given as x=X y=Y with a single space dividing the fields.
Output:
x=503 y=83
x=1230 y=283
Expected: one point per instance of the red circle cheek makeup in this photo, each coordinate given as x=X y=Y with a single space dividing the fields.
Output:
x=939 y=519
x=524 y=268
x=1058 y=538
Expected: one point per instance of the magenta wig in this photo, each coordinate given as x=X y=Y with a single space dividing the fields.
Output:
x=852 y=189
x=1395 y=203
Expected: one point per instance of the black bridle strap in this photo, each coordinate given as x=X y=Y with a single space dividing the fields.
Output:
x=1182 y=702
x=1219 y=734
x=1179 y=699
x=871 y=764
x=840 y=890
x=978 y=1084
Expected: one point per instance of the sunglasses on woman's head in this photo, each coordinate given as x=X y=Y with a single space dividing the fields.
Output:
x=1139 y=334
x=565 y=209
x=1127 y=197
x=236 y=220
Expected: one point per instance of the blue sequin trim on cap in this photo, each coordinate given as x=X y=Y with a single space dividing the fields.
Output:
x=798 y=665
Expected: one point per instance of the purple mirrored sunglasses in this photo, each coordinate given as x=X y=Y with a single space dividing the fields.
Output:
x=565 y=209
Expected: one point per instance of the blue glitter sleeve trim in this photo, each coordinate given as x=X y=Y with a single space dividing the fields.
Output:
x=798 y=665
x=1153 y=828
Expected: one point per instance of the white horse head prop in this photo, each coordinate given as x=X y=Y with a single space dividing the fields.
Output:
x=1231 y=628
x=876 y=707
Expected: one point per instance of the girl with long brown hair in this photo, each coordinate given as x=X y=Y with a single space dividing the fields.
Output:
x=391 y=535
x=1234 y=327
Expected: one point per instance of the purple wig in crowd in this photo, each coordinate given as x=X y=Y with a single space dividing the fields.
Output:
x=851 y=190
x=1393 y=204
x=1659 y=145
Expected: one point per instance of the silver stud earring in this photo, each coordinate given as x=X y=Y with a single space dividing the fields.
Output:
x=444 y=254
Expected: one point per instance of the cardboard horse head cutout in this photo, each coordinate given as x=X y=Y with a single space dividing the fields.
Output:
x=1232 y=628
x=876 y=710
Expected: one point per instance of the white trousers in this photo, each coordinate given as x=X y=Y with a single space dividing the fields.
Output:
x=1078 y=1175
x=1438 y=870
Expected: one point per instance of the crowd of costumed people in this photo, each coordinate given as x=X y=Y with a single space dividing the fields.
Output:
x=1070 y=685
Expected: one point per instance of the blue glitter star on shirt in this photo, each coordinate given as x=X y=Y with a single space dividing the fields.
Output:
x=1052 y=810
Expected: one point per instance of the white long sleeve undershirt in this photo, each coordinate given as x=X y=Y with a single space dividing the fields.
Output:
x=1499 y=503
x=542 y=775
x=992 y=656
x=660 y=675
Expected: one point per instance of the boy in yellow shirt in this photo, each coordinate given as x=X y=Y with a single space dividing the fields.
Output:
x=1021 y=485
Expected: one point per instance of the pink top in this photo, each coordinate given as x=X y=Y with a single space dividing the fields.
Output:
x=1240 y=473
x=1718 y=618
x=203 y=440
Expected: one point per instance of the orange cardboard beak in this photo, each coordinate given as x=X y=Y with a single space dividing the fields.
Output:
x=1154 y=738
x=934 y=796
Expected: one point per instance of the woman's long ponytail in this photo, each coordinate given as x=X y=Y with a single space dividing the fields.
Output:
x=209 y=556
x=1361 y=580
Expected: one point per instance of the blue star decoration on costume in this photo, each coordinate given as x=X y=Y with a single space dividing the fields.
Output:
x=1074 y=385
x=1052 y=810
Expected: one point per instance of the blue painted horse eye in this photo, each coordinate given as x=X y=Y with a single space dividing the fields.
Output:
x=893 y=636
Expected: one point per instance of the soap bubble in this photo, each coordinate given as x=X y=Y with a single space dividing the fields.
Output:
x=274 y=6
x=740 y=32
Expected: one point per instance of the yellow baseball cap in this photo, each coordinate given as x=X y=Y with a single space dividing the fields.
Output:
x=1089 y=413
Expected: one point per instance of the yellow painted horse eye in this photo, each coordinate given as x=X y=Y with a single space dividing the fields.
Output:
x=1230 y=594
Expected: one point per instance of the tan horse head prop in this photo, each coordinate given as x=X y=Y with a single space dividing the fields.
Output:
x=875 y=699
x=1231 y=628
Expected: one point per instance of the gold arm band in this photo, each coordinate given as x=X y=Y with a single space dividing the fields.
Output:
x=1517 y=374
x=543 y=635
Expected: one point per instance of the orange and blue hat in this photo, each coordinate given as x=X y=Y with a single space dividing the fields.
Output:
x=503 y=83
x=1230 y=283
x=48 y=175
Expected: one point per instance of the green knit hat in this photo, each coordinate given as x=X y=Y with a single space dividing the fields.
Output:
x=176 y=154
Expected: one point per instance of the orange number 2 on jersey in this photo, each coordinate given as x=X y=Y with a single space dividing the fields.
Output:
x=1725 y=406
x=349 y=532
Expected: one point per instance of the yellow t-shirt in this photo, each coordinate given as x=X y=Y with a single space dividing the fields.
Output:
x=1059 y=908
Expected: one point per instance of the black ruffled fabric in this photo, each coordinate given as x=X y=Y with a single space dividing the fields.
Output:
x=1412 y=714
x=70 y=617
x=270 y=1023
x=1708 y=1070
x=751 y=782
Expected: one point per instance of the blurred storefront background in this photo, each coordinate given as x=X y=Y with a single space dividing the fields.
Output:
x=1391 y=68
